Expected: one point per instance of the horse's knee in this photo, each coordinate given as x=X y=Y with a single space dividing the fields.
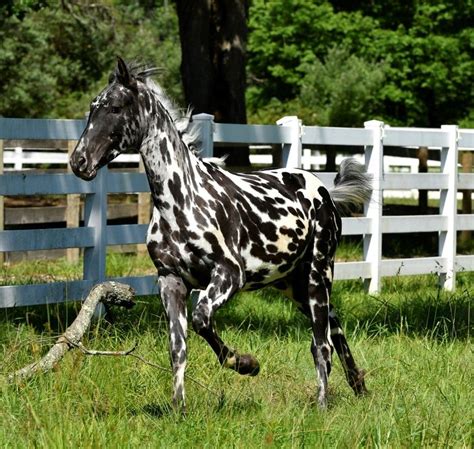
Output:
x=201 y=319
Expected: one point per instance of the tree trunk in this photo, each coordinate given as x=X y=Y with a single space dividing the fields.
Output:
x=213 y=37
x=466 y=160
x=422 y=154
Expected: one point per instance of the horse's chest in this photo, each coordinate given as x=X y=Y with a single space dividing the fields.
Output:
x=181 y=250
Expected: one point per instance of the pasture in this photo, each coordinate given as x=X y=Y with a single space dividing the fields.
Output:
x=414 y=340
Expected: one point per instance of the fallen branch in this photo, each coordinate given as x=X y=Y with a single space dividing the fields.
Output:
x=107 y=293
x=130 y=353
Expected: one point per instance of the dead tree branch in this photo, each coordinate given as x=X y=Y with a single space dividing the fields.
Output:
x=108 y=293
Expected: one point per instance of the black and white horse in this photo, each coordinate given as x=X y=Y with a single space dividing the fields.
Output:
x=221 y=232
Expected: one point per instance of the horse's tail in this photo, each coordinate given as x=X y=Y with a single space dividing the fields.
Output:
x=352 y=186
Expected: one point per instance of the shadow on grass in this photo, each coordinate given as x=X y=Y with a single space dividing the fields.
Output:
x=54 y=319
x=414 y=307
x=153 y=410
x=424 y=310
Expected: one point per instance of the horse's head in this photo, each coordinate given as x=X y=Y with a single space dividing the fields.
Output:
x=113 y=125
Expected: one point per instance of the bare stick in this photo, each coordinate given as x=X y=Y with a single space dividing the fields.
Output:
x=130 y=353
x=109 y=293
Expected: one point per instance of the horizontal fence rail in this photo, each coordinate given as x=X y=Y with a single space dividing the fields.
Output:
x=291 y=136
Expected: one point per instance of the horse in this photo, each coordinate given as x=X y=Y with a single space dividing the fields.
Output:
x=218 y=231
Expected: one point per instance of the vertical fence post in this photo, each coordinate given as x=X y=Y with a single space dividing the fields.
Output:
x=291 y=152
x=73 y=208
x=95 y=216
x=373 y=209
x=307 y=153
x=18 y=164
x=205 y=123
x=144 y=209
x=466 y=162
x=448 y=207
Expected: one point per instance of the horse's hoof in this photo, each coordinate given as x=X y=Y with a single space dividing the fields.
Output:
x=358 y=383
x=245 y=364
x=179 y=408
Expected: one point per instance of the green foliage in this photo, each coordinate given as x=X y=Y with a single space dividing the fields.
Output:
x=331 y=62
x=340 y=91
x=57 y=54
x=429 y=76
x=423 y=50
x=18 y=9
x=280 y=44
x=66 y=51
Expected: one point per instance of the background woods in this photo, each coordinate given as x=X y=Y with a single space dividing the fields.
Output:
x=329 y=62
x=213 y=46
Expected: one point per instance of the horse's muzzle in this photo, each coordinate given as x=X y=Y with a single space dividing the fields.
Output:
x=81 y=167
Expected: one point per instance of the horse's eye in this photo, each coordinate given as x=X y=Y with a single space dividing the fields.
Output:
x=115 y=109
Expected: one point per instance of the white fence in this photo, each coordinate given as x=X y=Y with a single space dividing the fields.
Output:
x=21 y=158
x=95 y=235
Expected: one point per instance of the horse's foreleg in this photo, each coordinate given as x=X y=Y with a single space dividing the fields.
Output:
x=221 y=288
x=173 y=295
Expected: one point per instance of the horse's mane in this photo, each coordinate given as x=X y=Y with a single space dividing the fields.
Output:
x=188 y=131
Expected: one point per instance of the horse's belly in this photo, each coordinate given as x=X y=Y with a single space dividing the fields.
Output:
x=271 y=267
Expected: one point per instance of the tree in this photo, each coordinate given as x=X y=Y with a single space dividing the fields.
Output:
x=340 y=90
x=56 y=56
x=213 y=44
x=426 y=49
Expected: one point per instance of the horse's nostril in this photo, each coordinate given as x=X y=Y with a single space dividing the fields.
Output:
x=81 y=162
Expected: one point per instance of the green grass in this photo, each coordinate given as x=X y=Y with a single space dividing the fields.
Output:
x=55 y=270
x=414 y=340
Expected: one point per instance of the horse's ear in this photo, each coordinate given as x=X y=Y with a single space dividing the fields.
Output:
x=123 y=76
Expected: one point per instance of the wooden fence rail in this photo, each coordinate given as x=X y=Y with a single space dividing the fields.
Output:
x=95 y=235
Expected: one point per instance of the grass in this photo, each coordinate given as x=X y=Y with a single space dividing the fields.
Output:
x=414 y=340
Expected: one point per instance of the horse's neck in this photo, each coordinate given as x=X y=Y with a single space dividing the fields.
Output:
x=170 y=166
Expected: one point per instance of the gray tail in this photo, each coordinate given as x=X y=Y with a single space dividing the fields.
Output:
x=352 y=186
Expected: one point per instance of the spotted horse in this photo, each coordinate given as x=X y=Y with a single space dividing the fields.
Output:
x=221 y=232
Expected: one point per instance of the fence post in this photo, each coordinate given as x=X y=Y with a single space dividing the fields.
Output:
x=205 y=123
x=144 y=209
x=466 y=162
x=448 y=207
x=307 y=153
x=18 y=165
x=95 y=216
x=373 y=209
x=291 y=152
x=73 y=208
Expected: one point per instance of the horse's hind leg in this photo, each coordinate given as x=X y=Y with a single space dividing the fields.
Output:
x=223 y=285
x=299 y=293
x=319 y=288
x=173 y=295
x=354 y=375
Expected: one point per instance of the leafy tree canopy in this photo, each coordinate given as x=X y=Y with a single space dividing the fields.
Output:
x=332 y=62
x=55 y=56
x=421 y=49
